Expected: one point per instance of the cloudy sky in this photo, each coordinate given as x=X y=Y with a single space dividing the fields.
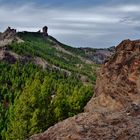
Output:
x=80 y=23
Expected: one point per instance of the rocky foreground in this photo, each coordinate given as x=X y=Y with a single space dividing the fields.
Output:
x=114 y=111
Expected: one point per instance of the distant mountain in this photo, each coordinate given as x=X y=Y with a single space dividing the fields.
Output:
x=88 y=55
x=99 y=56
x=8 y=36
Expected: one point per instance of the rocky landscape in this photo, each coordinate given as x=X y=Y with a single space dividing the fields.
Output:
x=114 y=111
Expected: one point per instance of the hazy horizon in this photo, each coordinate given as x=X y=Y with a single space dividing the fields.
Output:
x=80 y=23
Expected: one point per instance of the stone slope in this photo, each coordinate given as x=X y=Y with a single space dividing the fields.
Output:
x=95 y=126
x=114 y=111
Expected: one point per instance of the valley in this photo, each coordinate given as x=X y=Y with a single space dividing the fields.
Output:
x=42 y=81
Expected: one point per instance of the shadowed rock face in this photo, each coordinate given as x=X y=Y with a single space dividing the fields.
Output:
x=114 y=111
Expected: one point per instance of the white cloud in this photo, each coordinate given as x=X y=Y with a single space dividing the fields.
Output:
x=130 y=8
x=92 y=26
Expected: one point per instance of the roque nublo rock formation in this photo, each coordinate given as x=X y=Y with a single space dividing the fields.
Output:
x=114 y=111
x=45 y=31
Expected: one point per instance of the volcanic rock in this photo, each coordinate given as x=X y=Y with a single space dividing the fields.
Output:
x=8 y=36
x=8 y=33
x=45 y=31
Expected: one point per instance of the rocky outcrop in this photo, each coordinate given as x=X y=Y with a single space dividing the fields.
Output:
x=45 y=31
x=118 y=84
x=114 y=111
x=8 y=36
x=8 y=33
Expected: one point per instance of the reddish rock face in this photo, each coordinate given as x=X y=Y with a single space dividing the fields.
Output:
x=119 y=80
x=114 y=111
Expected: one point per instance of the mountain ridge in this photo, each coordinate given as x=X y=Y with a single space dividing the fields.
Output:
x=10 y=35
